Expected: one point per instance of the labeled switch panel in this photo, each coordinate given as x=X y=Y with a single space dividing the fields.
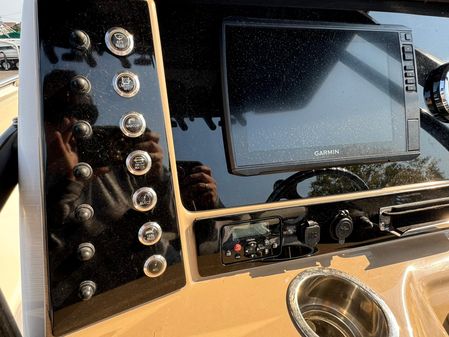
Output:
x=251 y=240
x=112 y=233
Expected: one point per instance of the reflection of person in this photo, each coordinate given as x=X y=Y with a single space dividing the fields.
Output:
x=115 y=223
x=198 y=188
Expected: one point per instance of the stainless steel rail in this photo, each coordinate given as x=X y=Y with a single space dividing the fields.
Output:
x=12 y=80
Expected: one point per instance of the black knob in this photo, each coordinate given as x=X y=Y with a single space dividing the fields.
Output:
x=80 y=85
x=82 y=130
x=79 y=40
x=82 y=171
x=86 y=251
x=436 y=92
x=87 y=290
x=84 y=212
x=341 y=227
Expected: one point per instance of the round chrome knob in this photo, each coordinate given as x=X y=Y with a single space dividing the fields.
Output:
x=79 y=39
x=84 y=212
x=436 y=93
x=86 y=251
x=119 y=41
x=87 y=289
x=82 y=171
x=138 y=162
x=126 y=84
x=80 y=85
x=150 y=233
x=144 y=199
x=82 y=130
x=132 y=124
x=155 y=266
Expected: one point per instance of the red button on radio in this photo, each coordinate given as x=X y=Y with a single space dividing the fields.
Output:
x=237 y=247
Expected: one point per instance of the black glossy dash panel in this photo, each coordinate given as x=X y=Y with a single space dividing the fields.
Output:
x=312 y=230
x=104 y=141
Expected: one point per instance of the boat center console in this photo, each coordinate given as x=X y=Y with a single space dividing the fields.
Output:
x=196 y=140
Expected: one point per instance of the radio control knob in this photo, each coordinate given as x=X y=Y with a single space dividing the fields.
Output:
x=132 y=124
x=80 y=85
x=138 y=162
x=155 y=266
x=436 y=92
x=82 y=171
x=82 y=130
x=150 y=233
x=84 y=212
x=80 y=40
x=87 y=289
x=144 y=199
x=86 y=251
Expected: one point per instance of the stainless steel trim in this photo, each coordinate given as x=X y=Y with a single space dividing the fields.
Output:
x=151 y=196
x=125 y=131
x=158 y=258
x=146 y=226
x=35 y=298
x=110 y=45
x=424 y=228
x=119 y=91
x=12 y=80
x=295 y=307
x=130 y=158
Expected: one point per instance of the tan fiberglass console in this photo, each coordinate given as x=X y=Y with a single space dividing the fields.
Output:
x=133 y=225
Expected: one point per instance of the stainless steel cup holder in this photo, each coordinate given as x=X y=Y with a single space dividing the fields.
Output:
x=325 y=302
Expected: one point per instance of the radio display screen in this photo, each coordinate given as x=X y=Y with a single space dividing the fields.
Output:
x=301 y=96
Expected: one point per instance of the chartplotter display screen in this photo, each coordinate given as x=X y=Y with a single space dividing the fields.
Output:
x=303 y=96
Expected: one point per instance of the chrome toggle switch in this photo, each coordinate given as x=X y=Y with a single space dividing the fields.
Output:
x=86 y=251
x=87 y=290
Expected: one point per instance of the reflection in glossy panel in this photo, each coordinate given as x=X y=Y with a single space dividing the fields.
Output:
x=104 y=144
x=196 y=106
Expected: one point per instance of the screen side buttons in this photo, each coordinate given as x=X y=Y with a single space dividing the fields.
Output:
x=132 y=124
x=407 y=48
x=144 y=199
x=408 y=56
x=150 y=233
x=155 y=266
x=119 y=41
x=138 y=162
x=126 y=84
